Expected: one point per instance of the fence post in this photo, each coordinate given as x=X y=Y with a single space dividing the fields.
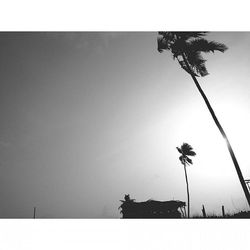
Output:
x=223 y=212
x=34 y=214
x=204 y=212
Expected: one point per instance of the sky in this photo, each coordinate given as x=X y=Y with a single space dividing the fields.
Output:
x=89 y=117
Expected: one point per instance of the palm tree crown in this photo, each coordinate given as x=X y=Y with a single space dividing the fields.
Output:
x=185 y=151
x=189 y=45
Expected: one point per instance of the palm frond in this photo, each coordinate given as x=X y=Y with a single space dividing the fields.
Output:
x=181 y=158
x=165 y=41
x=161 y=45
x=191 y=153
x=203 y=45
x=201 y=69
x=189 y=35
x=181 y=35
x=197 y=62
x=179 y=150
x=168 y=36
x=188 y=161
x=187 y=149
x=184 y=66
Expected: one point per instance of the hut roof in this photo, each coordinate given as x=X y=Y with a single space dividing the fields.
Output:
x=150 y=208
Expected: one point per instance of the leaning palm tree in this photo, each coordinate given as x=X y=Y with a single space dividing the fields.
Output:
x=186 y=150
x=187 y=47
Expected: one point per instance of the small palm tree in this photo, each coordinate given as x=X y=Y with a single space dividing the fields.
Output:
x=185 y=151
x=187 y=47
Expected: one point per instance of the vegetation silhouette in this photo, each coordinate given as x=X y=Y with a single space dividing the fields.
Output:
x=238 y=215
x=151 y=208
x=187 y=47
x=186 y=150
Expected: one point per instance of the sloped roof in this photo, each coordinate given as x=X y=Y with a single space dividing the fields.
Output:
x=156 y=205
x=150 y=208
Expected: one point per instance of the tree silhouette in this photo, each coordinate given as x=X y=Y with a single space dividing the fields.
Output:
x=187 y=47
x=185 y=151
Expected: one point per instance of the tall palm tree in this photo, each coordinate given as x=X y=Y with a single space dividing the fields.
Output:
x=185 y=151
x=187 y=47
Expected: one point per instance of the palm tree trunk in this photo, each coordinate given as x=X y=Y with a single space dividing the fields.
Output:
x=237 y=167
x=188 y=200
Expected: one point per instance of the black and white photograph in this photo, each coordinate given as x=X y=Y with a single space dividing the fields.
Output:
x=124 y=124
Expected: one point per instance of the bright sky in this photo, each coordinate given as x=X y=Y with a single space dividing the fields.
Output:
x=89 y=117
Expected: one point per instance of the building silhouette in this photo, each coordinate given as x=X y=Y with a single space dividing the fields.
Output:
x=152 y=208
